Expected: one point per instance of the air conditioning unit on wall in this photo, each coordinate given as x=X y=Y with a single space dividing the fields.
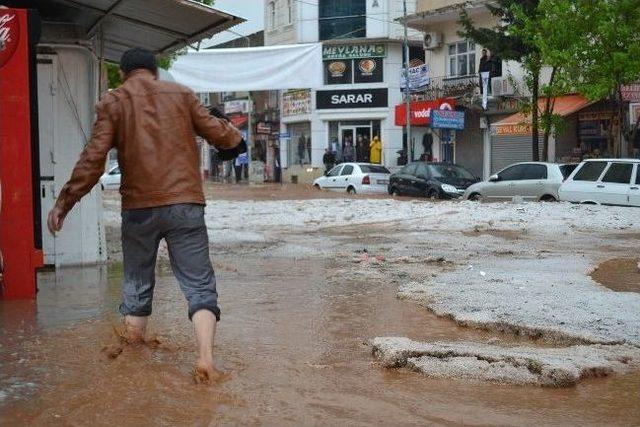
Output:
x=502 y=86
x=432 y=41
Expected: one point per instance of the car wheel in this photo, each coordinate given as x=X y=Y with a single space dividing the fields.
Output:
x=433 y=194
x=393 y=191
x=317 y=186
x=548 y=198
x=476 y=197
x=351 y=190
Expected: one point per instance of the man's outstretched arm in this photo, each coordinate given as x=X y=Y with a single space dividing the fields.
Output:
x=88 y=169
x=218 y=132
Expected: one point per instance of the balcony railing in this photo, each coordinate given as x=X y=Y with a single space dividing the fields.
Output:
x=450 y=87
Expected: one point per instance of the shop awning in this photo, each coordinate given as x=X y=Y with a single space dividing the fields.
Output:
x=158 y=25
x=520 y=124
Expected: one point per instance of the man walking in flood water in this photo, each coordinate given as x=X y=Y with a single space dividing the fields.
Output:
x=152 y=125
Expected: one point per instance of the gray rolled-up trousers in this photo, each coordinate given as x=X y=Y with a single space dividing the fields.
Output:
x=183 y=228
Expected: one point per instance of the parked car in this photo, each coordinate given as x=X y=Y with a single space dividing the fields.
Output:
x=433 y=180
x=529 y=180
x=355 y=178
x=604 y=181
x=111 y=178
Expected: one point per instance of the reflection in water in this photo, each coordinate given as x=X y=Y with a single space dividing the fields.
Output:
x=293 y=342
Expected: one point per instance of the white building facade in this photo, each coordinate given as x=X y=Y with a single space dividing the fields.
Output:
x=362 y=62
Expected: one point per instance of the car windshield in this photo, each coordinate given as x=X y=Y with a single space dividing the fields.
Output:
x=374 y=169
x=449 y=171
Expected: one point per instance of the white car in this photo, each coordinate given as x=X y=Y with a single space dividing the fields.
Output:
x=604 y=181
x=355 y=178
x=111 y=178
x=529 y=180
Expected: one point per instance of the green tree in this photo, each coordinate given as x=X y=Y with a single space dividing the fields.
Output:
x=598 y=41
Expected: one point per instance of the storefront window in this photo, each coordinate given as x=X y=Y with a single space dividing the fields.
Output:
x=299 y=152
x=342 y=19
x=350 y=140
x=462 y=59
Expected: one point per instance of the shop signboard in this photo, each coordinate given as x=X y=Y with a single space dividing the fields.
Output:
x=631 y=93
x=421 y=111
x=263 y=128
x=296 y=102
x=447 y=119
x=354 y=51
x=517 y=129
x=237 y=106
x=351 y=98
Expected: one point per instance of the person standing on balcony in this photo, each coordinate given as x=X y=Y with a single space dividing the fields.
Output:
x=486 y=65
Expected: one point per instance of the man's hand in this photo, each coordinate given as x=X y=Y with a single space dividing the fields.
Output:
x=56 y=220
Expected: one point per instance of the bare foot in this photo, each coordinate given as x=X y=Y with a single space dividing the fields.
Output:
x=129 y=335
x=206 y=373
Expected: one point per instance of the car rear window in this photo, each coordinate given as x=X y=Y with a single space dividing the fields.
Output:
x=590 y=171
x=567 y=170
x=535 y=172
x=374 y=169
x=619 y=173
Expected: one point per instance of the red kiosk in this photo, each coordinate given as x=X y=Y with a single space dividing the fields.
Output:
x=20 y=224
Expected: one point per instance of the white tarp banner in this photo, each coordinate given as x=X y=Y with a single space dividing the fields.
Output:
x=253 y=68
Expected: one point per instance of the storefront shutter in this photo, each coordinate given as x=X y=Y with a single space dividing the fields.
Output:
x=506 y=150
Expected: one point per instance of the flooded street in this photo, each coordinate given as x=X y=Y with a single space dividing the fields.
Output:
x=297 y=315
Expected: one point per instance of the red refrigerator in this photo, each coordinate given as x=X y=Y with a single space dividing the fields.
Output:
x=20 y=224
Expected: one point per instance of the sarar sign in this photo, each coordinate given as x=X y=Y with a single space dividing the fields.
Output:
x=354 y=98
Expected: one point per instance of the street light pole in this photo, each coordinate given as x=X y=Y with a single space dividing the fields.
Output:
x=406 y=84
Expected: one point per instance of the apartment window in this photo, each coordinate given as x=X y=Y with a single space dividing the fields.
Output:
x=462 y=59
x=272 y=15
x=204 y=98
x=289 y=11
x=342 y=19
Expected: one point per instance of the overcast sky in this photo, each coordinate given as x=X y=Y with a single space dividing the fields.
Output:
x=251 y=10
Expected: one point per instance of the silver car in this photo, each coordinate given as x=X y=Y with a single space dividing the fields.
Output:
x=530 y=180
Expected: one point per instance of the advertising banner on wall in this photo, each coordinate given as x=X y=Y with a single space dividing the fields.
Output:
x=367 y=70
x=296 y=102
x=338 y=72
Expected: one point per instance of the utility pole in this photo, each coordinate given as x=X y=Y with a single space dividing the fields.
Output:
x=407 y=85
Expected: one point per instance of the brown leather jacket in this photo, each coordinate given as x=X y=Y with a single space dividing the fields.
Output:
x=153 y=125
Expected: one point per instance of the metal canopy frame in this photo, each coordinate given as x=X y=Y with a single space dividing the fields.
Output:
x=161 y=26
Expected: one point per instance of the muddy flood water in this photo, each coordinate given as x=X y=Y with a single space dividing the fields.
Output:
x=293 y=342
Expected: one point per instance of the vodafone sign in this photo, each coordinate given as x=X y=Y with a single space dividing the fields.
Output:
x=421 y=111
x=9 y=36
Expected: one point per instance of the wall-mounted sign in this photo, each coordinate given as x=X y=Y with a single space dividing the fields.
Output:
x=353 y=98
x=446 y=119
x=419 y=77
x=237 y=106
x=421 y=111
x=354 y=51
x=296 y=102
